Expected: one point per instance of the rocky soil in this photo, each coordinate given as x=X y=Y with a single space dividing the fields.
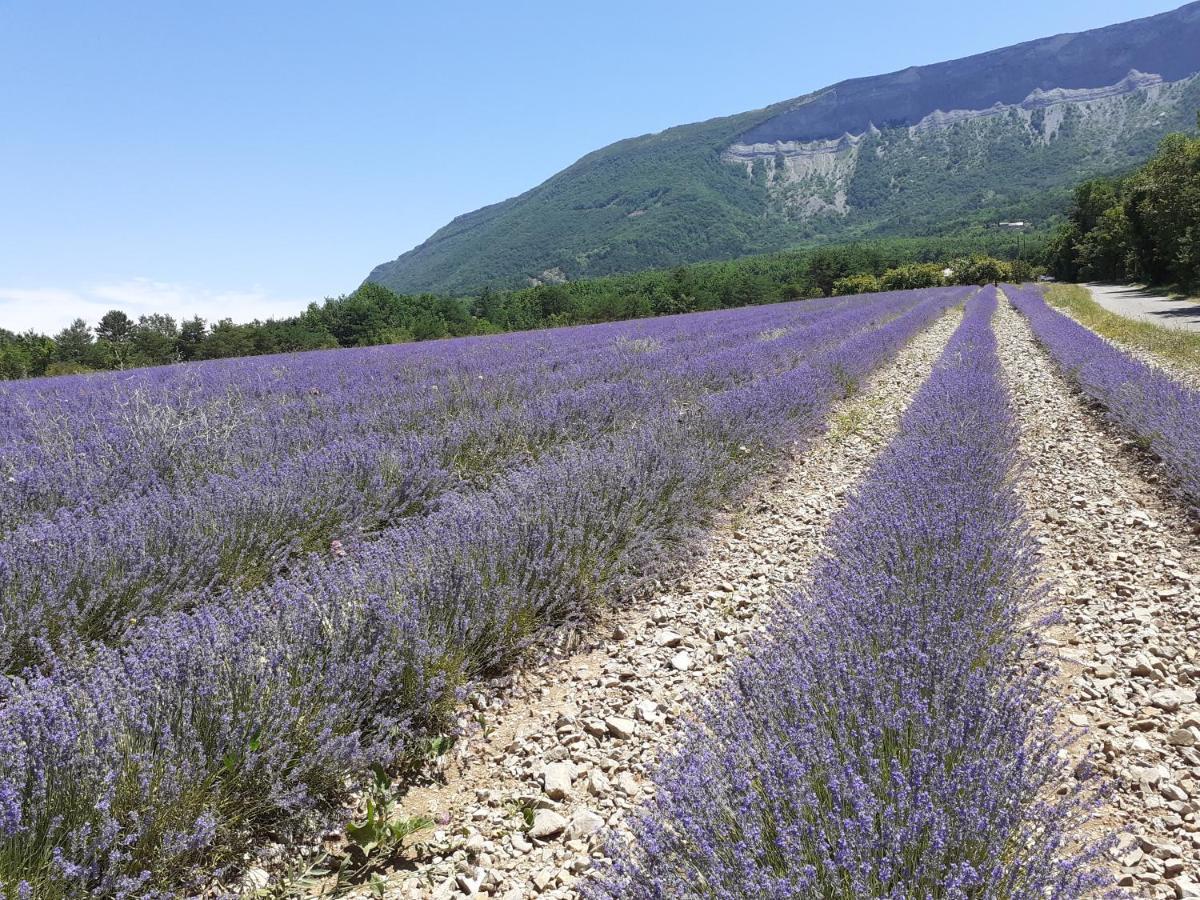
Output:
x=561 y=751
x=1122 y=561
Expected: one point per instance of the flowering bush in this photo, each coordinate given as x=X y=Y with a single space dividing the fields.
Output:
x=89 y=571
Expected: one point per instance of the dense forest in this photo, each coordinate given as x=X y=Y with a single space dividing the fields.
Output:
x=372 y=314
x=1143 y=227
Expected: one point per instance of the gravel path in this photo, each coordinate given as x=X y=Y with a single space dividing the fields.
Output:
x=1138 y=303
x=1122 y=562
x=569 y=743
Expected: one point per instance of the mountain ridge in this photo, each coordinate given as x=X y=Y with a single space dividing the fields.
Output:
x=1001 y=138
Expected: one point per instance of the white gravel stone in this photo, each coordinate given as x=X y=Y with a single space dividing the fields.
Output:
x=584 y=823
x=547 y=824
x=647 y=711
x=620 y=727
x=628 y=785
x=1181 y=737
x=556 y=780
x=681 y=661
x=668 y=638
x=598 y=784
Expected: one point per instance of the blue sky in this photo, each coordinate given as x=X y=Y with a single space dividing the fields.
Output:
x=243 y=159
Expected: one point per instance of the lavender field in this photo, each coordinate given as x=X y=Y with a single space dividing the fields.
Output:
x=892 y=740
x=233 y=594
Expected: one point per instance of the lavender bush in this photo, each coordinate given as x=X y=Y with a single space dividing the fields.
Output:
x=1163 y=413
x=82 y=441
x=87 y=574
x=139 y=768
x=891 y=737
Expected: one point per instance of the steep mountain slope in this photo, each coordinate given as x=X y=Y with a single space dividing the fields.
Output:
x=1003 y=134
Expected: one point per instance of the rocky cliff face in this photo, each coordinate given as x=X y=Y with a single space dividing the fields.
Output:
x=807 y=179
x=1166 y=44
x=1000 y=135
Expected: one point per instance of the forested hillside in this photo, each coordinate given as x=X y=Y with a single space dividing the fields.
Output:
x=930 y=150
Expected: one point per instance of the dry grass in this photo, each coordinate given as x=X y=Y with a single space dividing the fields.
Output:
x=1176 y=345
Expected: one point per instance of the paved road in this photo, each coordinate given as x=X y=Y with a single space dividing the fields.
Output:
x=1138 y=303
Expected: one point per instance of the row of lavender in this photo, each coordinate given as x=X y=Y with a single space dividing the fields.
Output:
x=892 y=737
x=140 y=766
x=1161 y=411
x=80 y=442
x=99 y=439
x=89 y=574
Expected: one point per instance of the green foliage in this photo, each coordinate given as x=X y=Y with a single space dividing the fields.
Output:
x=115 y=327
x=191 y=335
x=1145 y=226
x=155 y=339
x=22 y=355
x=375 y=315
x=114 y=339
x=980 y=269
x=74 y=343
x=67 y=368
x=225 y=339
x=912 y=277
x=863 y=283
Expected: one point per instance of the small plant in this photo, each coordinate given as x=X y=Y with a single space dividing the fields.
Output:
x=372 y=841
x=847 y=423
x=484 y=728
x=523 y=809
x=528 y=813
x=438 y=746
x=852 y=420
x=846 y=380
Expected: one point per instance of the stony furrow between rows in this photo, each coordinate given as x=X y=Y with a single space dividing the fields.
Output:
x=1121 y=561
x=569 y=744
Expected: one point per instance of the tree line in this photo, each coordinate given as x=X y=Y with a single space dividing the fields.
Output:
x=370 y=315
x=373 y=314
x=1142 y=227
